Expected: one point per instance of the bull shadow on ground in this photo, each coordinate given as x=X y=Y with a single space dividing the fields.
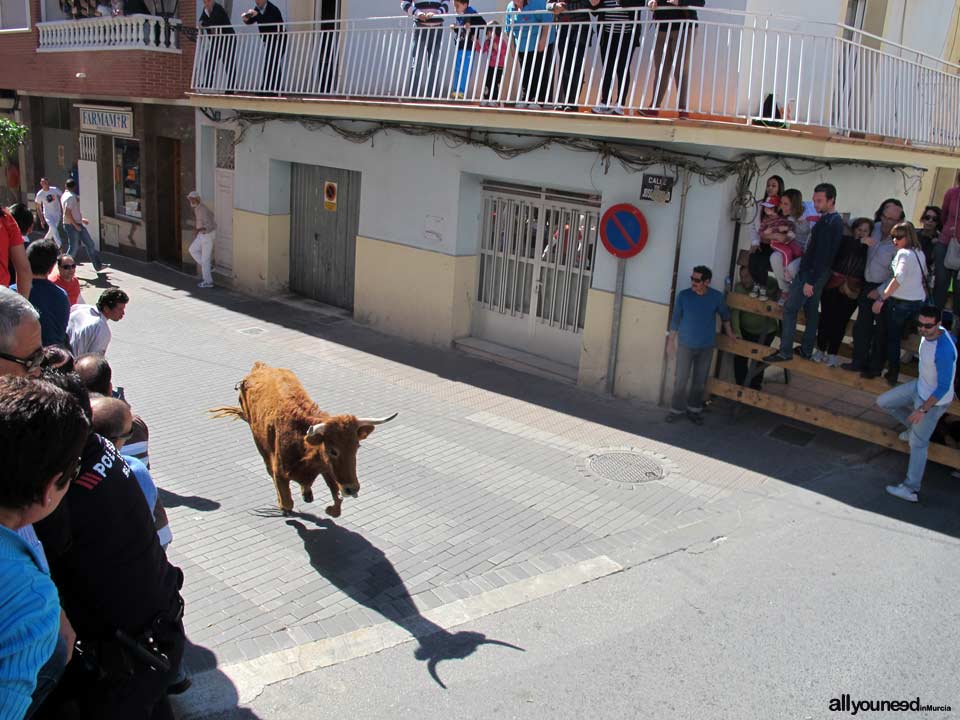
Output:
x=194 y=502
x=362 y=571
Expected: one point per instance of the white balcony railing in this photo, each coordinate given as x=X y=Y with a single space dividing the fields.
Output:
x=731 y=66
x=128 y=32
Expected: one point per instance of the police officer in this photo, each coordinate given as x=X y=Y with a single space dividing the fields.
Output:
x=115 y=584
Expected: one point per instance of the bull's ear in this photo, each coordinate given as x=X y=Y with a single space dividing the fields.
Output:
x=364 y=431
x=314 y=434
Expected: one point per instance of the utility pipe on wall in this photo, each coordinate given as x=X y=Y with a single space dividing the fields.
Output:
x=673 y=283
x=615 y=329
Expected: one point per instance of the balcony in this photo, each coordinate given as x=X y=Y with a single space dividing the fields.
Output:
x=129 y=32
x=740 y=68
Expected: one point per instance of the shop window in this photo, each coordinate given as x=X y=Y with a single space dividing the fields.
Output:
x=126 y=178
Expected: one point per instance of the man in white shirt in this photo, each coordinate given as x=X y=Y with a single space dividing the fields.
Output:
x=49 y=211
x=75 y=225
x=201 y=249
x=87 y=329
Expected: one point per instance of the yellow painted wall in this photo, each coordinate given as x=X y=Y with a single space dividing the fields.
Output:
x=261 y=252
x=643 y=328
x=416 y=294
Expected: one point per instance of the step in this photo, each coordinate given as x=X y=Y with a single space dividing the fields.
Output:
x=517 y=359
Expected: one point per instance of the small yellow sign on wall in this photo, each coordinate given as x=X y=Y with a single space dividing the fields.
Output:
x=330 y=196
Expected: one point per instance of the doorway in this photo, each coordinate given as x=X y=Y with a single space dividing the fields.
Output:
x=168 y=202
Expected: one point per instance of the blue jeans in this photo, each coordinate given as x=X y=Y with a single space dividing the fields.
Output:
x=75 y=236
x=797 y=301
x=899 y=313
x=461 y=72
x=900 y=402
x=49 y=676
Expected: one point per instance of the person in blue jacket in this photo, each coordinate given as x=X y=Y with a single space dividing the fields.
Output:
x=530 y=24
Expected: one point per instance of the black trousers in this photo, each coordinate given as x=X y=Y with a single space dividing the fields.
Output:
x=741 y=364
x=759 y=265
x=273 y=69
x=836 y=309
x=536 y=75
x=869 y=333
x=572 y=41
x=616 y=45
x=223 y=49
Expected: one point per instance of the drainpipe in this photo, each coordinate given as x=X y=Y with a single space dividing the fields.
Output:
x=615 y=329
x=673 y=282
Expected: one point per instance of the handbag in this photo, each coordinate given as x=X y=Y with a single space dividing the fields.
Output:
x=927 y=299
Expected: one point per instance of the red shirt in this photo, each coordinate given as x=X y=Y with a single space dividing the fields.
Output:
x=71 y=287
x=951 y=214
x=9 y=237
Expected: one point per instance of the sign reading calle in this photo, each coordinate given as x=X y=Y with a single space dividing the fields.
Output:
x=658 y=188
x=106 y=120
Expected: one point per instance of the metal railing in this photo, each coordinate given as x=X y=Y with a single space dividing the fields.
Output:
x=777 y=71
x=128 y=32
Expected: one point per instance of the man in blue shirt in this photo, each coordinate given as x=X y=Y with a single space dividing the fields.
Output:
x=692 y=337
x=919 y=404
x=47 y=297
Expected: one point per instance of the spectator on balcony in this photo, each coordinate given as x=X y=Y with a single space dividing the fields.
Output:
x=465 y=26
x=75 y=224
x=676 y=25
x=869 y=338
x=270 y=21
x=573 y=38
x=427 y=38
x=526 y=21
x=617 y=38
x=222 y=44
x=812 y=277
x=495 y=46
x=49 y=211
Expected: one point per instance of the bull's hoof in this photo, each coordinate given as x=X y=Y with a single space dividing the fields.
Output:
x=333 y=511
x=308 y=495
x=286 y=513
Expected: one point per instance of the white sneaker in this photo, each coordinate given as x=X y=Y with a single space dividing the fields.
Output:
x=617 y=110
x=754 y=292
x=834 y=361
x=534 y=106
x=817 y=355
x=903 y=492
x=205 y=285
x=601 y=109
x=521 y=106
x=905 y=436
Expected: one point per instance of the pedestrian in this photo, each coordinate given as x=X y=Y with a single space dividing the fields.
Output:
x=49 y=211
x=87 y=329
x=495 y=45
x=692 y=337
x=676 y=26
x=42 y=432
x=269 y=20
x=205 y=229
x=869 y=336
x=812 y=276
x=427 y=38
x=904 y=295
x=950 y=232
x=754 y=328
x=919 y=404
x=13 y=254
x=573 y=37
x=75 y=225
x=839 y=299
x=64 y=275
x=529 y=22
x=50 y=300
x=215 y=24
x=466 y=27
x=21 y=341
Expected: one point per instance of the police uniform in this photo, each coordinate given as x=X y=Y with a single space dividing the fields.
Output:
x=116 y=587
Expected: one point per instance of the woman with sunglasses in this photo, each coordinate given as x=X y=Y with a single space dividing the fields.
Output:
x=42 y=433
x=904 y=295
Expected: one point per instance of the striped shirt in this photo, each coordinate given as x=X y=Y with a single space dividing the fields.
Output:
x=610 y=11
x=418 y=8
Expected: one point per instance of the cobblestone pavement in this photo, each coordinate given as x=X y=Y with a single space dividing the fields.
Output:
x=487 y=476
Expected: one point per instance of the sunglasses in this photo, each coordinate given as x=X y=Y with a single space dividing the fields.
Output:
x=695 y=279
x=68 y=267
x=927 y=326
x=30 y=363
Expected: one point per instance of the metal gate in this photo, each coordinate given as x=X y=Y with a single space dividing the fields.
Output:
x=537 y=248
x=323 y=233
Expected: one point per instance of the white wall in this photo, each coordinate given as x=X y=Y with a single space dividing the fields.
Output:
x=421 y=192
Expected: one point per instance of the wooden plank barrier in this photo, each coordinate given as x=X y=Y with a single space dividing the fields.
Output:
x=828 y=419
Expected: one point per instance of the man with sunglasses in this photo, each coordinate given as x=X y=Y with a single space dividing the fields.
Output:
x=692 y=337
x=21 y=345
x=919 y=404
x=64 y=275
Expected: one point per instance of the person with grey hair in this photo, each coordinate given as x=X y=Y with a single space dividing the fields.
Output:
x=21 y=344
x=201 y=249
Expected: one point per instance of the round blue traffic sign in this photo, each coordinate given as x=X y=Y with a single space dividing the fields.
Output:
x=623 y=230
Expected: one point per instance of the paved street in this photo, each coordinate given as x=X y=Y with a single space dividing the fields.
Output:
x=743 y=569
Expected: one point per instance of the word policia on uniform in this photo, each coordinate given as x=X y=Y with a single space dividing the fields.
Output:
x=845 y=704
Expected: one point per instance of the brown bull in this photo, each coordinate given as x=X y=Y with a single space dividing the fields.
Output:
x=297 y=440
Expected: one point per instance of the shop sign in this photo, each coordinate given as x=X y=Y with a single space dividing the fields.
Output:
x=106 y=120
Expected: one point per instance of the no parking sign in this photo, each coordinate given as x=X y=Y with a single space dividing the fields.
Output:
x=623 y=230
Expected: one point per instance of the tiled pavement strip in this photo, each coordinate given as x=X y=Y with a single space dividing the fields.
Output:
x=479 y=483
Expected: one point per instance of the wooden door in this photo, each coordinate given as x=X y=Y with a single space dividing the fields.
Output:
x=168 y=202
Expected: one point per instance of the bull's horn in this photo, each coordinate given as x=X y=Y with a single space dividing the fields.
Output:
x=315 y=430
x=375 y=421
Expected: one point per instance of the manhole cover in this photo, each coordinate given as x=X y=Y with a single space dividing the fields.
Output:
x=626 y=467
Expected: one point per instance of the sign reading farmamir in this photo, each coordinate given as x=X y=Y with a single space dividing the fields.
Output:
x=107 y=120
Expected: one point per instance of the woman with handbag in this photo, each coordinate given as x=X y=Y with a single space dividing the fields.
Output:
x=948 y=251
x=904 y=295
x=839 y=298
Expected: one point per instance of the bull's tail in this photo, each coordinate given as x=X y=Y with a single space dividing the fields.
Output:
x=232 y=411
